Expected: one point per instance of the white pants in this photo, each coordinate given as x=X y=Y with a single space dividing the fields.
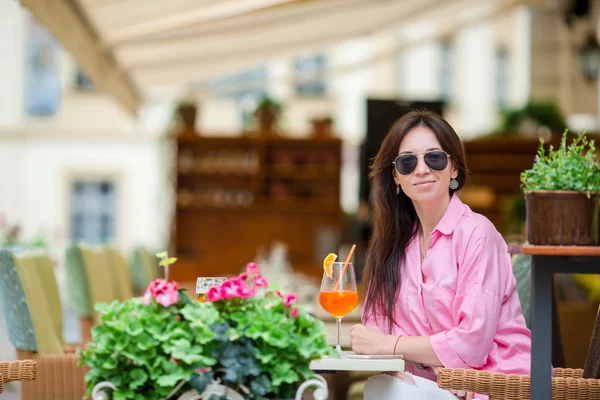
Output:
x=386 y=387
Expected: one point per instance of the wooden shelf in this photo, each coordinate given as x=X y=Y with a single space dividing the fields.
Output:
x=294 y=185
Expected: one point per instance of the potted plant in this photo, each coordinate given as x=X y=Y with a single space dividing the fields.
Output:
x=267 y=112
x=186 y=112
x=562 y=191
x=244 y=342
x=533 y=119
x=322 y=127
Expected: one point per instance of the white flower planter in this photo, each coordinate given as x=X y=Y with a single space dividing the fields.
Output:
x=320 y=393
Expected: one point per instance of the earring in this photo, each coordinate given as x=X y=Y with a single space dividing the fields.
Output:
x=397 y=189
x=453 y=184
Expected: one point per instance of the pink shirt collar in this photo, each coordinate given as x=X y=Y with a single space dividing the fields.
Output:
x=451 y=217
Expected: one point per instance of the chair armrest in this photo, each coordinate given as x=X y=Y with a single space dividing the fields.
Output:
x=516 y=387
x=495 y=384
x=568 y=373
x=19 y=370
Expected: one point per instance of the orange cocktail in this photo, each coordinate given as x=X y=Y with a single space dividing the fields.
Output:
x=338 y=303
x=338 y=295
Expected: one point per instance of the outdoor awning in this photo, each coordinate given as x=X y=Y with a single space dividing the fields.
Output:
x=133 y=48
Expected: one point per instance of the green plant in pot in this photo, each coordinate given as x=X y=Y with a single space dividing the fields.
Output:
x=186 y=112
x=562 y=193
x=245 y=342
x=267 y=112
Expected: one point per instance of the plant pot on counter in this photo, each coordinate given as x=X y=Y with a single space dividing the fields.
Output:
x=557 y=217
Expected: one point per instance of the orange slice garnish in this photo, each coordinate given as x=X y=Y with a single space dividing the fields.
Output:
x=328 y=264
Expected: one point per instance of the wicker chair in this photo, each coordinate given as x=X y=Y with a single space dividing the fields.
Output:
x=567 y=384
x=23 y=370
x=38 y=338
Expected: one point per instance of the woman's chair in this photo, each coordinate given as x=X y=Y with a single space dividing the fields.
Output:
x=34 y=333
x=567 y=383
x=22 y=370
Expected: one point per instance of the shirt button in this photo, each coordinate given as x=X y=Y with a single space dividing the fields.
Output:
x=427 y=321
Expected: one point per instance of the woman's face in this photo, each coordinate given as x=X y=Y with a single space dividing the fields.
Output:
x=424 y=184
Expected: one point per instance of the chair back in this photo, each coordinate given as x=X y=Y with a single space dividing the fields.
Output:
x=45 y=270
x=121 y=273
x=592 y=362
x=99 y=272
x=144 y=268
x=77 y=282
x=14 y=305
x=521 y=266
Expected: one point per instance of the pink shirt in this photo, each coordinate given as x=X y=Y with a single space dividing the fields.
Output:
x=468 y=304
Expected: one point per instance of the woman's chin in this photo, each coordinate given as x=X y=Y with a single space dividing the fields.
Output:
x=429 y=196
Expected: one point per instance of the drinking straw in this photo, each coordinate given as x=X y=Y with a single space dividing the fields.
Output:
x=337 y=285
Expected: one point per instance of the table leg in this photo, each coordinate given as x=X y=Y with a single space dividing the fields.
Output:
x=558 y=355
x=541 y=327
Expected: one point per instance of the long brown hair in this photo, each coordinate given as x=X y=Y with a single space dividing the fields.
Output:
x=394 y=215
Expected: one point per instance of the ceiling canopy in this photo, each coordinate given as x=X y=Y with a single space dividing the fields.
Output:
x=133 y=48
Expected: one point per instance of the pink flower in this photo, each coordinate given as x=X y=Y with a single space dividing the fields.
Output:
x=243 y=276
x=213 y=294
x=252 y=268
x=165 y=293
x=202 y=370
x=259 y=281
x=230 y=288
x=289 y=299
x=279 y=293
x=245 y=292
x=294 y=313
x=167 y=299
x=147 y=297
x=174 y=360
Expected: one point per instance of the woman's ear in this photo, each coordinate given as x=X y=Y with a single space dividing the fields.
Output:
x=454 y=173
x=396 y=176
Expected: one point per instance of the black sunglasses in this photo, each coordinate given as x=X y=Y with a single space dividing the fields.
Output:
x=406 y=163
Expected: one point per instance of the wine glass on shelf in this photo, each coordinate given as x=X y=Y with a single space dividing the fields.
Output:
x=338 y=294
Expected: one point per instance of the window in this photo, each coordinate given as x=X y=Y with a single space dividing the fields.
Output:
x=93 y=211
x=502 y=78
x=309 y=78
x=446 y=70
x=246 y=88
x=42 y=84
x=82 y=82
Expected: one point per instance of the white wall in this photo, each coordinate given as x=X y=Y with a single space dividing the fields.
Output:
x=37 y=172
x=12 y=61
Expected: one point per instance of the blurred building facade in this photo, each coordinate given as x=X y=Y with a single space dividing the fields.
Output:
x=67 y=150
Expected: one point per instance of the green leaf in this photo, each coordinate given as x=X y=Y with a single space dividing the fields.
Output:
x=138 y=378
x=162 y=254
x=167 y=261
x=171 y=379
x=200 y=381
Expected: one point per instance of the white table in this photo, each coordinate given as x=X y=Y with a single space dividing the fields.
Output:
x=354 y=364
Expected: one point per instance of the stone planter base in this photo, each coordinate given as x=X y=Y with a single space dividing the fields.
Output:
x=321 y=392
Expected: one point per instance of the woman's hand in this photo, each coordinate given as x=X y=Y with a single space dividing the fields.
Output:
x=462 y=394
x=371 y=340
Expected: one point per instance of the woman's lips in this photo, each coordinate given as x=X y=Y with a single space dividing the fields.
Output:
x=424 y=183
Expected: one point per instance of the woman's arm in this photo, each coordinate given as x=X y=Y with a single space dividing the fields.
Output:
x=373 y=341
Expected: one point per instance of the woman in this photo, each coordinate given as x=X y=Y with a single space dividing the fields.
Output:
x=439 y=284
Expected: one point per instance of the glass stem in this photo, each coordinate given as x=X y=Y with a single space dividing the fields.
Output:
x=339 y=328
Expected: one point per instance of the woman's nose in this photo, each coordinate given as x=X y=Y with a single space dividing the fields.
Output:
x=422 y=167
